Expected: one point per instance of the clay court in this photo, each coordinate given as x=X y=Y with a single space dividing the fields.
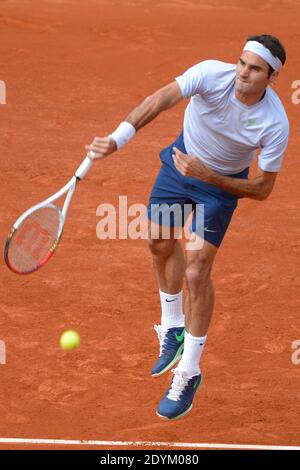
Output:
x=74 y=69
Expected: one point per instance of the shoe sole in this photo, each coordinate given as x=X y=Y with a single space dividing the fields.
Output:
x=169 y=366
x=175 y=417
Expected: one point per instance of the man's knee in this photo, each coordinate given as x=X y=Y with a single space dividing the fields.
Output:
x=162 y=240
x=160 y=247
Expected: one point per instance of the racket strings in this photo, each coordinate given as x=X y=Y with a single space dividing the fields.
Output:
x=35 y=240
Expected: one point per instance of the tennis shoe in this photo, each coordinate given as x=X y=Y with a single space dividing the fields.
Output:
x=171 y=348
x=178 y=400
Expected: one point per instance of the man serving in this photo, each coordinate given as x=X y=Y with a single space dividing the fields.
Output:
x=231 y=114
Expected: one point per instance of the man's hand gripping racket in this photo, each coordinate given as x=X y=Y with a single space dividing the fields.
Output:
x=35 y=235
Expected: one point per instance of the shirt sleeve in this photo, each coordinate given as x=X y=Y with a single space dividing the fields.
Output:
x=273 y=148
x=192 y=82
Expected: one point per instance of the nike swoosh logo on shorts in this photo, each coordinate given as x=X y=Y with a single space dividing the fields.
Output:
x=207 y=230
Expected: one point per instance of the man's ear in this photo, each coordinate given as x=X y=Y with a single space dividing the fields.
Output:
x=273 y=77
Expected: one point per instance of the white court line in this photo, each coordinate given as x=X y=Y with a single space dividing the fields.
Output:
x=189 y=445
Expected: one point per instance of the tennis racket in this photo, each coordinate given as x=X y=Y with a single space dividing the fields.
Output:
x=36 y=234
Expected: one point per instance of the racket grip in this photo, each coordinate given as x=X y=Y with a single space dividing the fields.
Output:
x=83 y=168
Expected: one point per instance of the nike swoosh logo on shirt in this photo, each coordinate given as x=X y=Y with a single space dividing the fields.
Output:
x=172 y=300
x=179 y=337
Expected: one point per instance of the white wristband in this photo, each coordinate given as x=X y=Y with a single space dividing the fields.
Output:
x=123 y=134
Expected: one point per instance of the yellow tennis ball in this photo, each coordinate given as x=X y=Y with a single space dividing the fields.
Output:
x=70 y=339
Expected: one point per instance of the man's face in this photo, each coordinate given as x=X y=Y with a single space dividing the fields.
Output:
x=252 y=74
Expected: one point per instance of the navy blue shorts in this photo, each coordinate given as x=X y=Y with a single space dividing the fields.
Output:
x=212 y=207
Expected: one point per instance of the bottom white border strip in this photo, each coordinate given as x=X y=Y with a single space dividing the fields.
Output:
x=187 y=445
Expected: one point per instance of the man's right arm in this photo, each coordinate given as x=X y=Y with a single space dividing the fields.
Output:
x=145 y=112
x=153 y=105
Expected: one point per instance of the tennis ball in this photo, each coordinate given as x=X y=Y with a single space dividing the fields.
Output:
x=70 y=339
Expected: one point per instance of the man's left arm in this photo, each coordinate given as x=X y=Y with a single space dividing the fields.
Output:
x=257 y=188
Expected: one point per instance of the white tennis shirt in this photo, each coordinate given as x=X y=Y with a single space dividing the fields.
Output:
x=222 y=131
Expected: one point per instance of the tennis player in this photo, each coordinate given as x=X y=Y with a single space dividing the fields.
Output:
x=232 y=113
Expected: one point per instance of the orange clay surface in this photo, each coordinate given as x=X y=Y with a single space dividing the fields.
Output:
x=74 y=69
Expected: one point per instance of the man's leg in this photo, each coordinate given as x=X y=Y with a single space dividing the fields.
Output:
x=200 y=299
x=199 y=308
x=169 y=268
x=168 y=261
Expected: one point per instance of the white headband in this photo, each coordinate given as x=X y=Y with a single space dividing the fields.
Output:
x=264 y=53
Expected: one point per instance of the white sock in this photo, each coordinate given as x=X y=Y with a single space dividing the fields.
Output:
x=171 y=310
x=193 y=348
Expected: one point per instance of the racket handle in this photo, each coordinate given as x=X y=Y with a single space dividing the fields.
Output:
x=83 y=168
